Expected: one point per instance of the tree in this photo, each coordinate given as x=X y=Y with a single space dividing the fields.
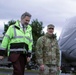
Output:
x=37 y=28
x=6 y=26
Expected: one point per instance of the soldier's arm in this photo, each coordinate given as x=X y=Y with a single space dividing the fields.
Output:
x=39 y=51
x=57 y=53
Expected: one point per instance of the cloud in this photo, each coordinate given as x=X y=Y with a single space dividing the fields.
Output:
x=47 y=11
x=2 y=22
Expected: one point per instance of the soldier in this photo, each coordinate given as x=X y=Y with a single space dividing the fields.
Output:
x=47 y=53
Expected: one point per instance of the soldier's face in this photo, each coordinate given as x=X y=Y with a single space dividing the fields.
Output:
x=50 y=30
x=25 y=21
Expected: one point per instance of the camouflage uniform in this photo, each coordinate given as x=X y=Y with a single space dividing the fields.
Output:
x=47 y=53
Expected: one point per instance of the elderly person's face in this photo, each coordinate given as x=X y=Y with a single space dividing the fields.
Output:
x=50 y=30
x=25 y=21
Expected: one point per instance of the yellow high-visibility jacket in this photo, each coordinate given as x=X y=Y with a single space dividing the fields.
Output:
x=16 y=40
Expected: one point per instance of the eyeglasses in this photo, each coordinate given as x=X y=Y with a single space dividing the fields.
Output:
x=51 y=28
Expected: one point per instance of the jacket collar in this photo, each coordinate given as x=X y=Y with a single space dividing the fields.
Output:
x=50 y=36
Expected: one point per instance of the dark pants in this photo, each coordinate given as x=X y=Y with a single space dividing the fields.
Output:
x=19 y=65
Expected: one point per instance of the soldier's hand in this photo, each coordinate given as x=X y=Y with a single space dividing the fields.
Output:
x=1 y=57
x=42 y=67
x=28 y=59
x=59 y=68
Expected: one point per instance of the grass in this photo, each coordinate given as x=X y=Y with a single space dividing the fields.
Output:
x=4 y=74
x=8 y=70
x=4 y=70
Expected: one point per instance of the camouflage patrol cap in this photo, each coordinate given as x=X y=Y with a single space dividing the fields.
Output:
x=50 y=26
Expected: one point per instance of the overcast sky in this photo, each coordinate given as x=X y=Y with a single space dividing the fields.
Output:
x=47 y=11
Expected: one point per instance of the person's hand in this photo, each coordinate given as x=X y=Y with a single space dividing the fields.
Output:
x=1 y=57
x=28 y=59
x=42 y=67
x=59 y=68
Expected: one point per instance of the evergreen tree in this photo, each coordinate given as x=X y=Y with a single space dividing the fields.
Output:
x=37 y=28
x=6 y=26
